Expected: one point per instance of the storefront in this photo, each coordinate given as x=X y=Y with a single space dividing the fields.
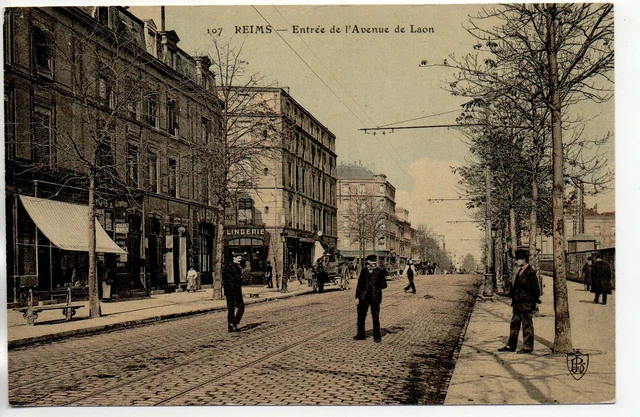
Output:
x=253 y=243
x=48 y=245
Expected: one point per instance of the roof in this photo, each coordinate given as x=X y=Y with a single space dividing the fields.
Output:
x=355 y=172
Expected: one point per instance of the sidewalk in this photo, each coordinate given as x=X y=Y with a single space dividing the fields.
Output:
x=485 y=376
x=159 y=306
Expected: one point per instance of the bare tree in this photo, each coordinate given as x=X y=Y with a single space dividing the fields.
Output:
x=565 y=54
x=251 y=134
x=366 y=219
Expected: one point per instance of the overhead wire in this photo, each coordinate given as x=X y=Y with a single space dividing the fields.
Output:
x=403 y=169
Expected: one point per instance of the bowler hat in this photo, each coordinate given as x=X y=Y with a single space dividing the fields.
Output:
x=522 y=254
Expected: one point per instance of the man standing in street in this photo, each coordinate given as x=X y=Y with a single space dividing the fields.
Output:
x=410 y=275
x=525 y=295
x=268 y=275
x=586 y=273
x=232 y=281
x=371 y=282
x=600 y=280
x=192 y=277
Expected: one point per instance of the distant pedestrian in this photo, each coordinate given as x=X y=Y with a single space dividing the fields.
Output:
x=410 y=274
x=601 y=280
x=586 y=273
x=322 y=275
x=268 y=275
x=371 y=282
x=192 y=277
x=232 y=281
x=525 y=295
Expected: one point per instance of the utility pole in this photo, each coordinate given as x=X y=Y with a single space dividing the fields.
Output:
x=488 y=280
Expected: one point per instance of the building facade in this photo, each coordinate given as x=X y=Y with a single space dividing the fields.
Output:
x=97 y=99
x=292 y=204
x=367 y=214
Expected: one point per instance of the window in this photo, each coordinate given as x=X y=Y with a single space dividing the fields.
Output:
x=129 y=98
x=304 y=177
x=290 y=175
x=152 y=111
x=105 y=149
x=205 y=131
x=42 y=51
x=9 y=121
x=106 y=92
x=43 y=141
x=132 y=165
x=173 y=177
x=153 y=172
x=305 y=216
x=290 y=212
x=8 y=37
x=245 y=211
x=172 y=117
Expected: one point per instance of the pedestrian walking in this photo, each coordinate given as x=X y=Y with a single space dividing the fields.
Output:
x=322 y=275
x=371 y=282
x=192 y=277
x=600 y=280
x=268 y=274
x=525 y=295
x=232 y=281
x=586 y=273
x=410 y=274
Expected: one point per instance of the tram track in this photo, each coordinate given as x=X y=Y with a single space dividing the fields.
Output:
x=263 y=358
x=291 y=325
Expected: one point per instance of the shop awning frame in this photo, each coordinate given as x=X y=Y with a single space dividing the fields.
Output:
x=66 y=225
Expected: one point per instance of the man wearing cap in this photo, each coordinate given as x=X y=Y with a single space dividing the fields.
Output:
x=371 y=282
x=601 y=280
x=232 y=281
x=525 y=294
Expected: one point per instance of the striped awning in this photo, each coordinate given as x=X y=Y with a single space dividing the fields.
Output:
x=65 y=225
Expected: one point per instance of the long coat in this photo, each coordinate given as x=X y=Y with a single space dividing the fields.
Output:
x=232 y=280
x=601 y=278
x=525 y=292
x=370 y=285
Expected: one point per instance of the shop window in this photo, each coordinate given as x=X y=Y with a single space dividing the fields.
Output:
x=205 y=248
x=245 y=211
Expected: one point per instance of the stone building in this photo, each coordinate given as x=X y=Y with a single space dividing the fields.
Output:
x=96 y=96
x=292 y=205
x=362 y=193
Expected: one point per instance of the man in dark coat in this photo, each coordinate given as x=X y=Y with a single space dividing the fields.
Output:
x=410 y=274
x=600 y=280
x=371 y=282
x=586 y=273
x=268 y=275
x=232 y=281
x=525 y=294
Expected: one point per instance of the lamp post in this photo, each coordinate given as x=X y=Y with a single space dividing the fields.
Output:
x=494 y=280
x=283 y=238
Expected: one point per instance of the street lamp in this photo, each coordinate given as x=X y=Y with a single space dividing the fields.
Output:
x=283 y=238
x=494 y=235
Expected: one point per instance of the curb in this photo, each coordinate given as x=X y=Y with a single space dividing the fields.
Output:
x=13 y=344
x=456 y=351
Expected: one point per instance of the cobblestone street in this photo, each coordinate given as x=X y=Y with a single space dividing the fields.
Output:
x=294 y=351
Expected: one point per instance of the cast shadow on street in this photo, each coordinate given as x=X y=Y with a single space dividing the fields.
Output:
x=249 y=326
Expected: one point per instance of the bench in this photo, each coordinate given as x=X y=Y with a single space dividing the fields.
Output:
x=30 y=312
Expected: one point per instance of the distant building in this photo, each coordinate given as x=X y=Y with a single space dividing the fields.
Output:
x=363 y=193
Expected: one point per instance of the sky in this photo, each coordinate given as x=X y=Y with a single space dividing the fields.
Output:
x=350 y=81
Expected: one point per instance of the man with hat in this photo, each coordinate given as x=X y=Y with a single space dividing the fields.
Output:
x=371 y=282
x=600 y=279
x=410 y=274
x=525 y=294
x=232 y=281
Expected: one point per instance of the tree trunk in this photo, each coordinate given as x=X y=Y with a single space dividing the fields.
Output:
x=513 y=233
x=217 y=269
x=562 y=341
x=94 y=300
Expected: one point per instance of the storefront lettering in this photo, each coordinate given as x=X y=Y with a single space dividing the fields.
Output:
x=244 y=232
